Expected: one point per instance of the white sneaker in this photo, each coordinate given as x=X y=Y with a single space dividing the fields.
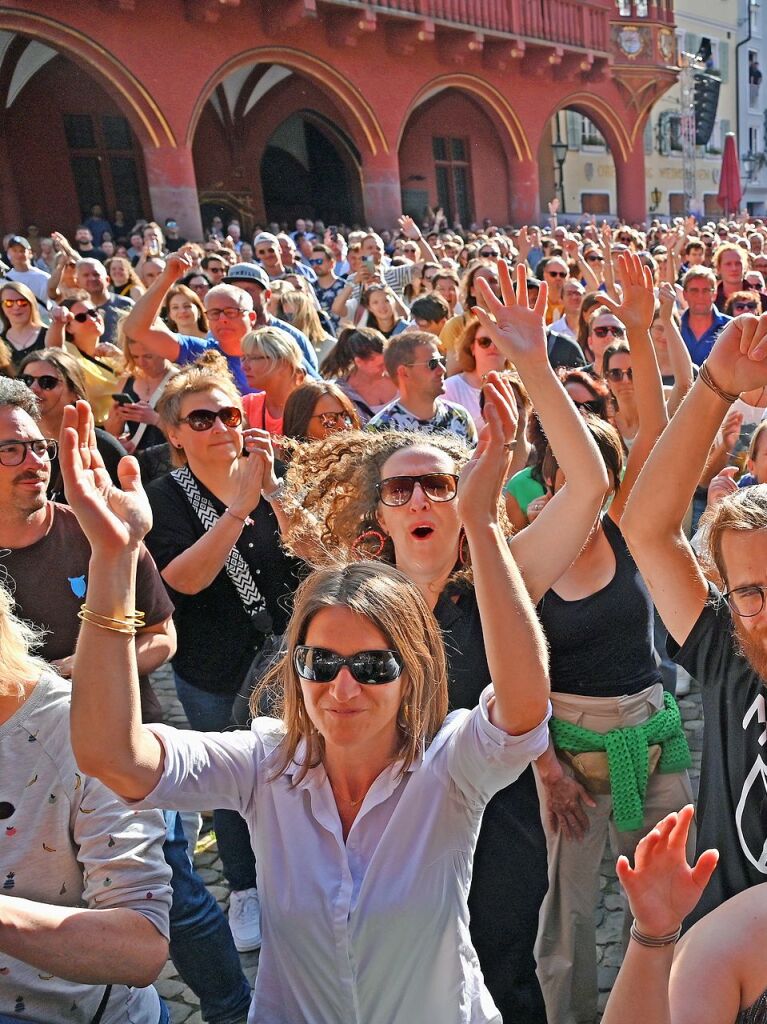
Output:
x=245 y=920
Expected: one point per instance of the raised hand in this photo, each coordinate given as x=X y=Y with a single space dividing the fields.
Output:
x=482 y=478
x=113 y=520
x=738 y=360
x=258 y=445
x=409 y=228
x=638 y=305
x=518 y=331
x=667 y=299
x=178 y=264
x=722 y=485
x=662 y=888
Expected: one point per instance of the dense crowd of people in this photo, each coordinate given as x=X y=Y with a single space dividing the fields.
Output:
x=433 y=525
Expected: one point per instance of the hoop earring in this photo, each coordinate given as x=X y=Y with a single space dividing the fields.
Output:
x=464 y=555
x=369 y=535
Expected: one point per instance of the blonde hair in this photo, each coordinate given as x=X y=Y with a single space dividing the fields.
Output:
x=26 y=293
x=393 y=605
x=277 y=345
x=742 y=511
x=209 y=372
x=18 y=641
x=305 y=317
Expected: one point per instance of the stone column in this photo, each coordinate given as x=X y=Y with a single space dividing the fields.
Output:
x=173 y=188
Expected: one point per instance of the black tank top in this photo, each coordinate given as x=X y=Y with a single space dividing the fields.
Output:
x=756 y=1013
x=602 y=645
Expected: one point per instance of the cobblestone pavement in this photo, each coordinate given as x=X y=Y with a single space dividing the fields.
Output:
x=184 y=1006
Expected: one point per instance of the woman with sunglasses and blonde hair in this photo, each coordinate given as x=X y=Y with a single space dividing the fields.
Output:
x=216 y=544
x=22 y=326
x=273 y=365
x=364 y=797
x=477 y=356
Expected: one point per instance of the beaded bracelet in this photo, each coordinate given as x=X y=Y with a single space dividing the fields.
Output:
x=654 y=941
x=129 y=625
x=277 y=493
x=708 y=380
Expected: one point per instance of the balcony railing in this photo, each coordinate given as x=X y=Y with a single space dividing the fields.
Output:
x=581 y=23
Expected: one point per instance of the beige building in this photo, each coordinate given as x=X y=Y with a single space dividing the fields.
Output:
x=587 y=180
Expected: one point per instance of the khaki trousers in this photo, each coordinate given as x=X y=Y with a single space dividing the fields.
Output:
x=566 y=947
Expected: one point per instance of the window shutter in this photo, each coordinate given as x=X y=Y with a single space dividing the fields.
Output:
x=648 y=137
x=724 y=60
x=691 y=42
x=573 y=127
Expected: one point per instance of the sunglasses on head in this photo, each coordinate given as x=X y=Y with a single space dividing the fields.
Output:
x=371 y=668
x=745 y=306
x=203 y=419
x=398 y=490
x=616 y=375
x=432 y=363
x=46 y=381
x=18 y=303
x=614 y=329
x=93 y=314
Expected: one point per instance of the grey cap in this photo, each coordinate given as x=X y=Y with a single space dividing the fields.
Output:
x=266 y=236
x=247 y=272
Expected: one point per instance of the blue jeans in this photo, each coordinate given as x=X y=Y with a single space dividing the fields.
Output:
x=212 y=712
x=201 y=945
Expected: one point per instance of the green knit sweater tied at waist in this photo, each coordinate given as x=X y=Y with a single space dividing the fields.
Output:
x=628 y=756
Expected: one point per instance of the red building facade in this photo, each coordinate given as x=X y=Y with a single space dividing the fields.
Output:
x=348 y=111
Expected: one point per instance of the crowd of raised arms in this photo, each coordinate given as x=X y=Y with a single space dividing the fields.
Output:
x=433 y=525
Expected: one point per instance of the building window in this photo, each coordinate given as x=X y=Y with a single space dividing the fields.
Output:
x=754 y=78
x=453 y=176
x=105 y=164
x=595 y=202
x=669 y=132
x=591 y=137
x=677 y=204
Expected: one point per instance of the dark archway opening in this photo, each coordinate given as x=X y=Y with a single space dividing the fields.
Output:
x=304 y=173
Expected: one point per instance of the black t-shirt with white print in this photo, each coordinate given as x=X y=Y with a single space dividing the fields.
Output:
x=732 y=804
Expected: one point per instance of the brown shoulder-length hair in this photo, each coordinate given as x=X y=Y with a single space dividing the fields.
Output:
x=301 y=403
x=466 y=360
x=394 y=605
x=191 y=296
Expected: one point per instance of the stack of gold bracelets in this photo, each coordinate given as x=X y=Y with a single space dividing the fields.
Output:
x=129 y=625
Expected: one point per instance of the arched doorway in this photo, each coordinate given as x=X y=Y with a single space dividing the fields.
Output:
x=455 y=154
x=576 y=166
x=271 y=145
x=67 y=144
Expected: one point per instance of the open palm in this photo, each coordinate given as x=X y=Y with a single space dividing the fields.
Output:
x=112 y=519
x=518 y=331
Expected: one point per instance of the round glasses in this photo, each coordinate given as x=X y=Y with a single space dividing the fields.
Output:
x=398 y=490
x=203 y=419
x=746 y=601
x=13 y=453
x=46 y=381
x=371 y=668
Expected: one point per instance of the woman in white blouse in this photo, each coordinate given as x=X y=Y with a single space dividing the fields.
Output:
x=364 y=798
x=477 y=356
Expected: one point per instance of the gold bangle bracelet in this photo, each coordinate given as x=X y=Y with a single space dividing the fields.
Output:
x=130 y=624
x=705 y=376
x=125 y=628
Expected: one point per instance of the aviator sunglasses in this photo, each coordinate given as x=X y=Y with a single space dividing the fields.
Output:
x=203 y=419
x=371 y=668
x=398 y=490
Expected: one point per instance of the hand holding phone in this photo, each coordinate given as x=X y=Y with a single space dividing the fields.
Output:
x=123 y=399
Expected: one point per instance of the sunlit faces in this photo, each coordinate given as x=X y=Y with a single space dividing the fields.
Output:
x=87 y=325
x=699 y=293
x=731 y=267
x=744 y=553
x=424 y=532
x=425 y=374
x=448 y=290
x=381 y=305
x=328 y=417
x=147 y=363
x=370 y=366
x=611 y=330
x=183 y=313
x=658 y=335
x=51 y=400
x=486 y=356
x=617 y=375
x=16 y=308
x=758 y=464
x=348 y=714
x=220 y=443
x=22 y=487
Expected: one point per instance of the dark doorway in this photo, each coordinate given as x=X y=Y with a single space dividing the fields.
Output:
x=303 y=174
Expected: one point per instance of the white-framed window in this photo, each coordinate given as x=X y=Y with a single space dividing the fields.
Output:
x=591 y=137
x=754 y=79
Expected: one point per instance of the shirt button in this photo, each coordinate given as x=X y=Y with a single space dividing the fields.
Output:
x=250 y=544
x=258 y=572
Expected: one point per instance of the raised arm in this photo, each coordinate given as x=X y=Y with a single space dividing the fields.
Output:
x=108 y=738
x=509 y=622
x=652 y=524
x=678 y=353
x=636 y=312
x=143 y=324
x=519 y=332
x=662 y=889
x=414 y=233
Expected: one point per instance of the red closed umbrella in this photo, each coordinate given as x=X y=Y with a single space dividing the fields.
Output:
x=730 y=189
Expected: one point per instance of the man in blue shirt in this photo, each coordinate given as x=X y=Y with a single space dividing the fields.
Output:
x=701 y=321
x=231 y=314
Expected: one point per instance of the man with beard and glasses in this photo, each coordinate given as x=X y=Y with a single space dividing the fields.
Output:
x=718 y=634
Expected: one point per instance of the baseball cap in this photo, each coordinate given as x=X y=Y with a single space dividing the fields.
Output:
x=247 y=272
x=18 y=240
x=266 y=236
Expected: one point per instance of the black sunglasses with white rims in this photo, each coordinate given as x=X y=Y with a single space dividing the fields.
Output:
x=398 y=490
x=370 y=668
x=203 y=419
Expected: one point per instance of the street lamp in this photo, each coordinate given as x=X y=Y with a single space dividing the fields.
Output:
x=560 y=155
x=655 y=197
